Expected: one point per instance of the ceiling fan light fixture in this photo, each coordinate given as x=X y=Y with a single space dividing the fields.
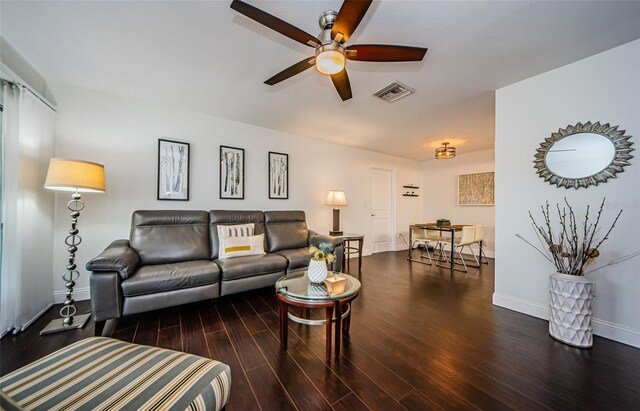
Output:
x=445 y=152
x=330 y=59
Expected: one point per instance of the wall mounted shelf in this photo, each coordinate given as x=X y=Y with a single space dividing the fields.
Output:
x=409 y=190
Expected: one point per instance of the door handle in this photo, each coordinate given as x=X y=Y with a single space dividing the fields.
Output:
x=373 y=215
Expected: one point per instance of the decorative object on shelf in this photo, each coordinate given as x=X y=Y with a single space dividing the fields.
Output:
x=336 y=198
x=278 y=175
x=572 y=248
x=410 y=191
x=583 y=155
x=173 y=170
x=445 y=152
x=317 y=271
x=476 y=189
x=443 y=222
x=75 y=176
x=335 y=284
x=231 y=173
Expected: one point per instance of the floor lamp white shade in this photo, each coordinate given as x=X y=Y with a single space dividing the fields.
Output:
x=75 y=175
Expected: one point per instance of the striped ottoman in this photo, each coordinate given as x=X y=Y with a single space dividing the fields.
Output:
x=107 y=374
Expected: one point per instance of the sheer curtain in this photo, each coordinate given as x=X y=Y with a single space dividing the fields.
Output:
x=26 y=281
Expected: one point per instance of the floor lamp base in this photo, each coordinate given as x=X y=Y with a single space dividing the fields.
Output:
x=335 y=233
x=56 y=325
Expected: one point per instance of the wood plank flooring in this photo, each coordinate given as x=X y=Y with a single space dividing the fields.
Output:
x=421 y=339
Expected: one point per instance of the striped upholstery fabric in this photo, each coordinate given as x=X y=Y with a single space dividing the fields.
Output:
x=107 y=374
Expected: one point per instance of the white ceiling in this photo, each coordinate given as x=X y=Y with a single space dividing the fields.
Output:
x=205 y=57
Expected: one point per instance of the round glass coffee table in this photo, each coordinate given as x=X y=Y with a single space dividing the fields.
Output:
x=334 y=296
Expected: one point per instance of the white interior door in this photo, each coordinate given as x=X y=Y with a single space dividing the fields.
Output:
x=381 y=212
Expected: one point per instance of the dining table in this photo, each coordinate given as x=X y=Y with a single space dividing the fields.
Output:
x=451 y=228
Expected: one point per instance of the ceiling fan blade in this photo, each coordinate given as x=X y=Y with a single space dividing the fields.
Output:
x=291 y=71
x=341 y=82
x=274 y=23
x=349 y=16
x=383 y=52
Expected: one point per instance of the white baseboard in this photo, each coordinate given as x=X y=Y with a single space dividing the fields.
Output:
x=522 y=306
x=616 y=332
x=606 y=329
x=79 y=294
x=31 y=321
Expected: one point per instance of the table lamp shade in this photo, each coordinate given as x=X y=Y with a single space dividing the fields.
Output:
x=75 y=175
x=336 y=198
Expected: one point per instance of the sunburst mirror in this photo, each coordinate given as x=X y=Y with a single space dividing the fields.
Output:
x=583 y=155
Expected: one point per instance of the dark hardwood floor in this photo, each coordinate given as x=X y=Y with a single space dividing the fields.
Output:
x=420 y=339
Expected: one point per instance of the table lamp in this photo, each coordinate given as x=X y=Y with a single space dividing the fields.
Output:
x=336 y=198
x=76 y=176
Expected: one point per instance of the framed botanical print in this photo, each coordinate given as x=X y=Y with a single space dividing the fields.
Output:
x=278 y=175
x=173 y=170
x=231 y=173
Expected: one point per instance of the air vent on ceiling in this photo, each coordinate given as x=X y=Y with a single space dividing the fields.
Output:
x=394 y=91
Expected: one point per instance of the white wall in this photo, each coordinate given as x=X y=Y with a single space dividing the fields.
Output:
x=123 y=135
x=605 y=88
x=441 y=193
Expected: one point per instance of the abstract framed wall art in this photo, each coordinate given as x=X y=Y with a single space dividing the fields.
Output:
x=231 y=173
x=476 y=189
x=278 y=175
x=173 y=170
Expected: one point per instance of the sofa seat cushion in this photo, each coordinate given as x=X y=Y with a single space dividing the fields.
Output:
x=251 y=265
x=297 y=257
x=168 y=277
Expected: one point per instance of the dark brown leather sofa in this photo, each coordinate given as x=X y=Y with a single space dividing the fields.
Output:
x=171 y=258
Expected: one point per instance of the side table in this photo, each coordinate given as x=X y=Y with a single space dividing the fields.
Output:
x=353 y=244
x=296 y=290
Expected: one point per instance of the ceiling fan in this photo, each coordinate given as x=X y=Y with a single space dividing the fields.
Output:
x=330 y=50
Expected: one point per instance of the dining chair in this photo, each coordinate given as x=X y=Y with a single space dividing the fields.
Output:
x=478 y=238
x=421 y=236
x=466 y=239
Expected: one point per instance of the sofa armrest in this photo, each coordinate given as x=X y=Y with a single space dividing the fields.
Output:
x=107 y=301
x=118 y=257
x=339 y=253
x=317 y=239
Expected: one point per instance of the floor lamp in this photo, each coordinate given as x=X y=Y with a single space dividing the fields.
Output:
x=76 y=176
x=336 y=198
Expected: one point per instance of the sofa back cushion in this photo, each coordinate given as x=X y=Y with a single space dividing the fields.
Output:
x=170 y=236
x=285 y=230
x=232 y=217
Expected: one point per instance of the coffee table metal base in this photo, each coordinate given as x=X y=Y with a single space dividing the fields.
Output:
x=337 y=312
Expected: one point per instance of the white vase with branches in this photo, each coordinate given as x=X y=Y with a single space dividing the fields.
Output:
x=572 y=247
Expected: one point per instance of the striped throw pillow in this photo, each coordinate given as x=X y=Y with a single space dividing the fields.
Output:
x=237 y=230
x=242 y=246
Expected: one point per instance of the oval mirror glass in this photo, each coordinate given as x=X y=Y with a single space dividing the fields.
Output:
x=580 y=155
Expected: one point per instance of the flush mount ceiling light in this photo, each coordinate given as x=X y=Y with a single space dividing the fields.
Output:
x=445 y=152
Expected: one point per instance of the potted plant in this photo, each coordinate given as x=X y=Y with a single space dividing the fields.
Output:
x=320 y=257
x=572 y=246
x=443 y=222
